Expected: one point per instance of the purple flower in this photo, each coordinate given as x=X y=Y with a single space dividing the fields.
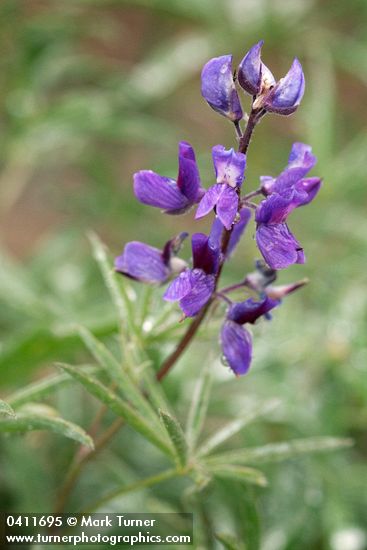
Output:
x=236 y=344
x=253 y=76
x=285 y=193
x=194 y=287
x=147 y=264
x=300 y=162
x=282 y=97
x=218 y=88
x=286 y=95
x=235 y=339
x=174 y=197
x=229 y=169
x=277 y=244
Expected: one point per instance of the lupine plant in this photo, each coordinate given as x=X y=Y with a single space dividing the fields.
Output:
x=127 y=380
x=197 y=288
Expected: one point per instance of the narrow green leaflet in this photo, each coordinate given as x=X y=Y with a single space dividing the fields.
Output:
x=177 y=437
x=5 y=409
x=236 y=425
x=38 y=389
x=121 y=408
x=108 y=362
x=199 y=407
x=25 y=422
x=119 y=297
x=280 y=451
x=238 y=473
x=229 y=541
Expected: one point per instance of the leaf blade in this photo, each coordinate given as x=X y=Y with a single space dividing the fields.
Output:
x=55 y=424
x=119 y=407
x=238 y=473
x=281 y=451
x=235 y=426
x=177 y=437
x=198 y=408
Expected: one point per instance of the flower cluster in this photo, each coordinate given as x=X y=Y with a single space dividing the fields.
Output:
x=196 y=286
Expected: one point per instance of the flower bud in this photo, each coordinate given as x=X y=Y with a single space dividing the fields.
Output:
x=253 y=76
x=286 y=95
x=278 y=292
x=218 y=88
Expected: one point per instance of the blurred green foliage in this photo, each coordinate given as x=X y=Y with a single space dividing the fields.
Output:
x=90 y=92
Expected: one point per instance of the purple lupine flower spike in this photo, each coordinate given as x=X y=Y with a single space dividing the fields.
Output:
x=147 y=264
x=218 y=88
x=174 y=197
x=253 y=76
x=287 y=94
x=194 y=287
x=229 y=169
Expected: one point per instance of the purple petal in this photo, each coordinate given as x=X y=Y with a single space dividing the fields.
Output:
x=216 y=233
x=202 y=289
x=209 y=200
x=236 y=344
x=205 y=253
x=249 y=70
x=143 y=263
x=237 y=231
x=310 y=186
x=227 y=206
x=188 y=180
x=301 y=160
x=276 y=208
x=278 y=246
x=179 y=286
x=229 y=166
x=250 y=310
x=301 y=155
x=155 y=190
x=286 y=95
x=218 y=88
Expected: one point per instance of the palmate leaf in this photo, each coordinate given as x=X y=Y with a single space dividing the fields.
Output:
x=199 y=407
x=6 y=410
x=236 y=425
x=177 y=437
x=123 y=409
x=280 y=451
x=41 y=417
